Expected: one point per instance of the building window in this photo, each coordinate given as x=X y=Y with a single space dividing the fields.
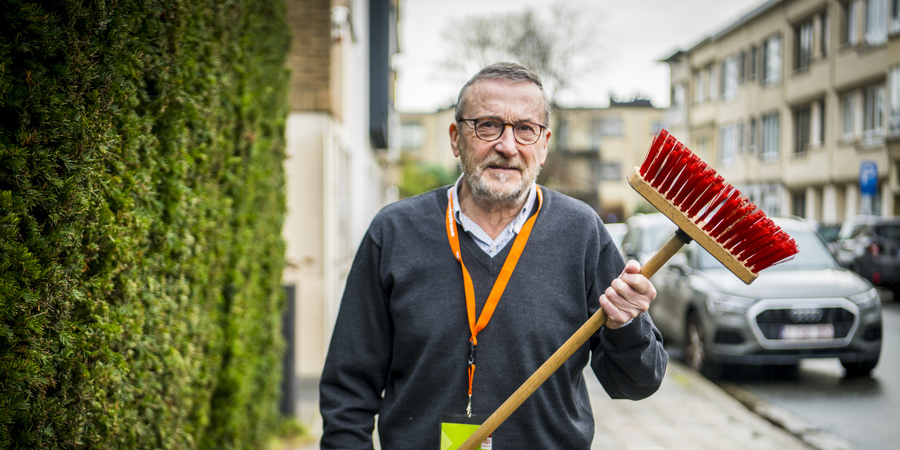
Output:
x=821 y=114
x=742 y=137
x=826 y=34
x=873 y=107
x=412 y=136
x=729 y=78
x=847 y=131
x=798 y=203
x=803 y=49
x=699 y=88
x=727 y=145
x=753 y=62
x=752 y=133
x=876 y=21
x=742 y=67
x=772 y=60
x=711 y=81
x=895 y=17
x=802 y=129
x=894 y=99
x=851 y=22
x=701 y=146
x=770 y=136
x=610 y=126
x=606 y=171
x=678 y=93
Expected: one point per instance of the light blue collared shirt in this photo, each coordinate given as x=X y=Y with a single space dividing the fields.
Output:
x=492 y=246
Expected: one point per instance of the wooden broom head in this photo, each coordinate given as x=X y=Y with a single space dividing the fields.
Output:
x=709 y=210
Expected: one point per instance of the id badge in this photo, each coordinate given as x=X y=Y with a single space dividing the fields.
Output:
x=456 y=428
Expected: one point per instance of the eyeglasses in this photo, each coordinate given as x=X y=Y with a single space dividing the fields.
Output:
x=489 y=129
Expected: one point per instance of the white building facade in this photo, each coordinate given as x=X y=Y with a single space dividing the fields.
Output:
x=340 y=153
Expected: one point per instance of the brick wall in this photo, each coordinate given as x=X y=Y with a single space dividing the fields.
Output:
x=311 y=57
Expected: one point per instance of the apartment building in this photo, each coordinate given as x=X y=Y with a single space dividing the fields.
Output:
x=425 y=137
x=798 y=105
x=593 y=149
x=340 y=148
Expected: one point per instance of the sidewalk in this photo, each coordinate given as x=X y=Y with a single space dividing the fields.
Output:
x=688 y=412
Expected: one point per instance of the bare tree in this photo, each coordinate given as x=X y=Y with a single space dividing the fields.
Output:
x=558 y=43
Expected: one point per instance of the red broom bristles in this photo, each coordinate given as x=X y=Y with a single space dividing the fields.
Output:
x=714 y=205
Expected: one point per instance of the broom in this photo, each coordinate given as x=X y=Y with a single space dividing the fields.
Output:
x=706 y=209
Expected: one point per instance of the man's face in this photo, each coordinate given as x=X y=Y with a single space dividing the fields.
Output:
x=502 y=170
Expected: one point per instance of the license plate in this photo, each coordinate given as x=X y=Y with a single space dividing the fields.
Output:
x=807 y=332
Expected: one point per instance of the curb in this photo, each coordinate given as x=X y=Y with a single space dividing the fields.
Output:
x=810 y=434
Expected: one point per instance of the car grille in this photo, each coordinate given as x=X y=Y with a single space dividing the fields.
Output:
x=770 y=321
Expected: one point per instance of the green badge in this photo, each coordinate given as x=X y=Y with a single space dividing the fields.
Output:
x=456 y=428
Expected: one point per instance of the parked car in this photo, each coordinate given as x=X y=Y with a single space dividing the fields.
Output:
x=617 y=232
x=809 y=307
x=870 y=246
x=829 y=233
x=645 y=234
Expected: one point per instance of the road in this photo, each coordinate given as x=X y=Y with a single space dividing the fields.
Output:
x=865 y=412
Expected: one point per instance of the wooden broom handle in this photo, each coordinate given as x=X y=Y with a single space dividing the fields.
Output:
x=563 y=353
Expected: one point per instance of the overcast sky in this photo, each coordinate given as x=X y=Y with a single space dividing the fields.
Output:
x=633 y=36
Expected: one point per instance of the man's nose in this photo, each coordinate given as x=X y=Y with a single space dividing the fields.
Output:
x=506 y=143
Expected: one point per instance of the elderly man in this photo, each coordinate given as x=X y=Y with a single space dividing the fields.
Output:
x=458 y=295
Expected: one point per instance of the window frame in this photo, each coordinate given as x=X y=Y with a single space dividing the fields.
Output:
x=727 y=145
x=802 y=129
x=804 y=43
x=773 y=60
x=873 y=112
x=770 y=136
x=848 y=115
x=875 y=29
x=893 y=99
x=729 y=78
x=850 y=31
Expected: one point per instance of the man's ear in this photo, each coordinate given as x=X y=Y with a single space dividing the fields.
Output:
x=546 y=145
x=454 y=138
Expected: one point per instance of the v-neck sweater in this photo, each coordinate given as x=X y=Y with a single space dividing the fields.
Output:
x=401 y=340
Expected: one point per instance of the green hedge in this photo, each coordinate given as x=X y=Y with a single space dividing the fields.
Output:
x=141 y=205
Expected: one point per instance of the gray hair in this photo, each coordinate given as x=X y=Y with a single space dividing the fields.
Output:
x=504 y=71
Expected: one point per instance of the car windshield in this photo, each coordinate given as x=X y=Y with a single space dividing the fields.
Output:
x=813 y=254
x=888 y=230
x=656 y=236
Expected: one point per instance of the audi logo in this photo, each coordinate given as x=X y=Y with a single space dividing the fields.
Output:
x=806 y=314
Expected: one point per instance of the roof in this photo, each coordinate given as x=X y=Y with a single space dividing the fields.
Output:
x=756 y=12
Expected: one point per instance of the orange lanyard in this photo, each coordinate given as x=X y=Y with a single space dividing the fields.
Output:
x=499 y=286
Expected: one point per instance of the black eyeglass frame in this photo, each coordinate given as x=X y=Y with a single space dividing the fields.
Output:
x=503 y=130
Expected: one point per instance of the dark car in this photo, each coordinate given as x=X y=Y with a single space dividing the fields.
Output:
x=829 y=233
x=809 y=307
x=870 y=246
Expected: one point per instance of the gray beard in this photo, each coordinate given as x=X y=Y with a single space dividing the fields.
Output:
x=482 y=190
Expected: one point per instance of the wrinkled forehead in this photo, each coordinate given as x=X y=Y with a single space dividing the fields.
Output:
x=508 y=100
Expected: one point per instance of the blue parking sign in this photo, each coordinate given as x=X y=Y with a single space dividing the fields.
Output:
x=868 y=178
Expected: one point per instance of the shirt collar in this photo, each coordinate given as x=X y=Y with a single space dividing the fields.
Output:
x=517 y=223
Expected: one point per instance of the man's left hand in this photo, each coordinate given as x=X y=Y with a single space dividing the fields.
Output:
x=628 y=296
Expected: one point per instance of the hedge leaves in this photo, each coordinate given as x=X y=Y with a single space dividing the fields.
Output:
x=141 y=205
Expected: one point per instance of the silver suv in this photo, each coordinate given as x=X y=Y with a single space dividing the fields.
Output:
x=809 y=307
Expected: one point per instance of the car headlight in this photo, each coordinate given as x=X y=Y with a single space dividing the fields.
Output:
x=719 y=303
x=866 y=299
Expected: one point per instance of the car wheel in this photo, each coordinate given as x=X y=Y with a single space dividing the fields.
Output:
x=695 y=353
x=857 y=369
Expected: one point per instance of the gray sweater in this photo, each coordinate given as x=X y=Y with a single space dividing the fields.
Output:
x=400 y=343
